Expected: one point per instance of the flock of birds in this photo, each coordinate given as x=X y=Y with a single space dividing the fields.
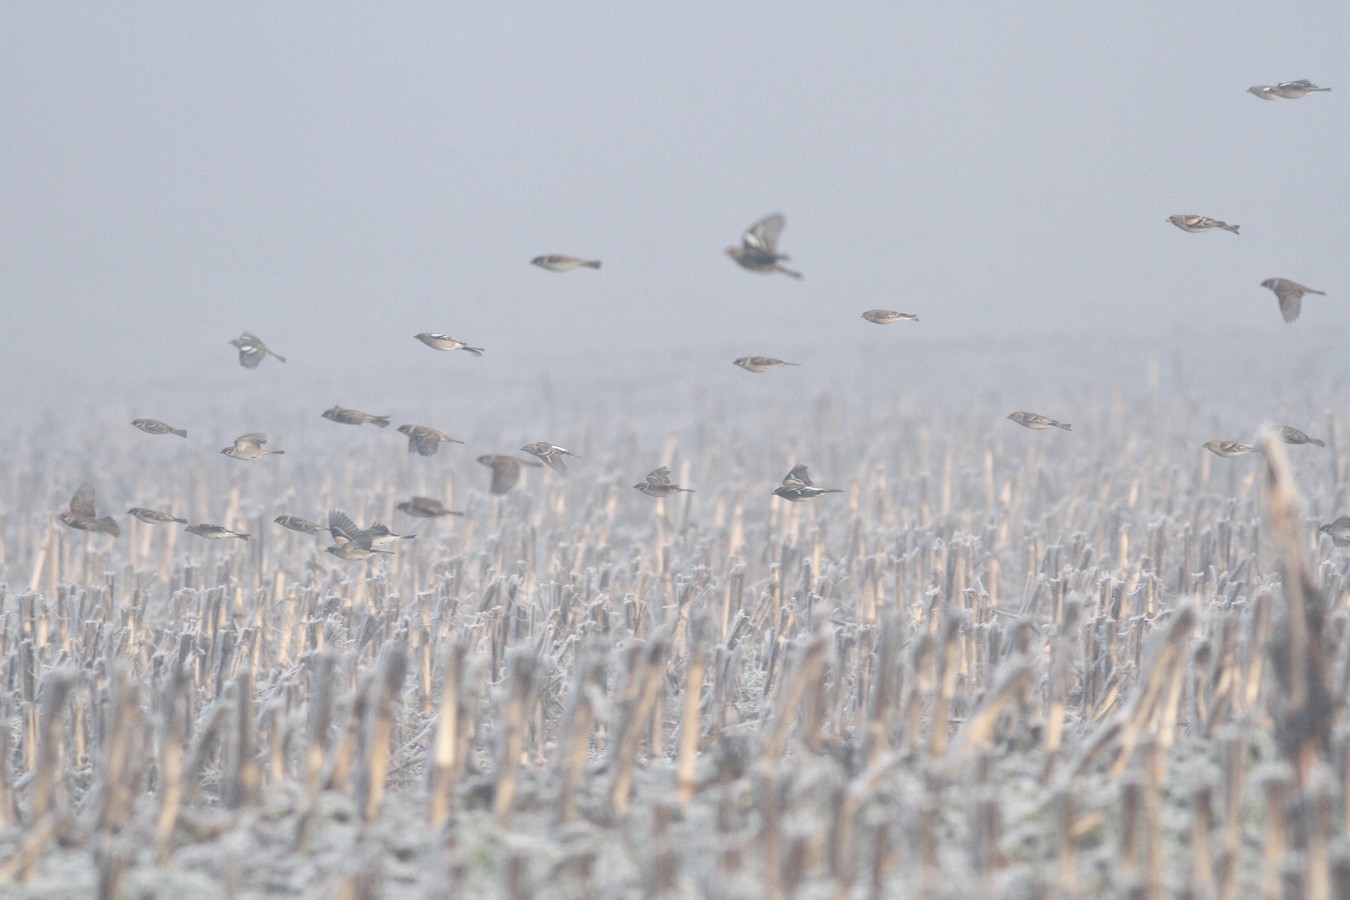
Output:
x=757 y=252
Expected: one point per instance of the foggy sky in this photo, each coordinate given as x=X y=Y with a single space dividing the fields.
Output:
x=339 y=177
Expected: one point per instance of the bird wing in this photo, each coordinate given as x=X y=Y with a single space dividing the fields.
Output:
x=1291 y=304
x=659 y=476
x=82 y=504
x=763 y=235
x=256 y=438
x=797 y=477
x=345 y=531
x=1297 y=85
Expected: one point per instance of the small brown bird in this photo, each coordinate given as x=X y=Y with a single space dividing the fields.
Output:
x=155 y=426
x=1290 y=294
x=349 y=541
x=437 y=341
x=1285 y=90
x=296 y=523
x=658 y=484
x=505 y=470
x=1338 y=531
x=888 y=316
x=249 y=446
x=215 y=532
x=1196 y=224
x=761 y=363
x=1291 y=435
x=154 y=516
x=551 y=454
x=344 y=416
x=758 y=251
x=425 y=508
x=425 y=441
x=556 y=262
x=252 y=350
x=1228 y=449
x=1037 y=421
x=83 y=516
x=797 y=486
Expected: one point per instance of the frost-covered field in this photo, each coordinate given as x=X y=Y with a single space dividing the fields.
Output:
x=1001 y=662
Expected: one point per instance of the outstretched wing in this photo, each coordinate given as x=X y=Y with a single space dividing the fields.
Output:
x=82 y=504
x=659 y=476
x=797 y=477
x=345 y=531
x=763 y=235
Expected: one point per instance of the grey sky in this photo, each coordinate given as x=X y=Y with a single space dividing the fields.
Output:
x=338 y=177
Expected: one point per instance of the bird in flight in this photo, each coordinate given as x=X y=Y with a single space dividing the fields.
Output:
x=252 y=350
x=1037 y=421
x=658 y=484
x=758 y=251
x=1285 y=90
x=557 y=262
x=1290 y=294
x=1196 y=224
x=83 y=516
x=797 y=486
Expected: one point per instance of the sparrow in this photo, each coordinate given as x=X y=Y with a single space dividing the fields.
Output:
x=758 y=251
x=154 y=516
x=1291 y=435
x=1196 y=224
x=215 y=532
x=296 y=523
x=1290 y=294
x=249 y=446
x=556 y=262
x=1339 y=531
x=505 y=470
x=426 y=508
x=1285 y=90
x=550 y=454
x=349 y=541
x=658 y=484
x=425 y=441
x=437 y=341
x=252 y=350
x=155 y=426
x=83 y=516
x=797 y=486
x=344 y=416
x=1228 y=449
x=761 y=363
x=888 y=316
x=1037 y=421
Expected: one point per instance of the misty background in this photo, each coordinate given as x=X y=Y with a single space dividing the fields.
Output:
x=338 y=177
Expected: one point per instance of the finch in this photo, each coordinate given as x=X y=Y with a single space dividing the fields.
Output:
x=758 y=251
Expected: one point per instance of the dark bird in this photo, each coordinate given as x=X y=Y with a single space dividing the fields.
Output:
x=426 y=508
x=761 y=363
x=1291 y=435
x=556 y=262
x=1037 y=421
x=154 y=516
x=425 y=441
x=658 y=484
x=1228 y=449
x=296 y=523
x=888 y=316
x=155 y=426
x=445 y=342
x=797 y=486
x=1285 y=90
x=249 y=446
x=344 y=416
x=505 y=470
x=1338 y=531
x=252 y=350
x=551 y=454
x=83 y=516
x=215 y=532
x=1290 y=294
x=349 y=541
x=758 y=251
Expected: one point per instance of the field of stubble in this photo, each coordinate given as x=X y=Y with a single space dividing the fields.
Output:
x=1001 y=663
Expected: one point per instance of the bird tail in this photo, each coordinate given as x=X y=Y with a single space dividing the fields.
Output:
x=595 y=263
x=789 y=272
x=108 y=526
x=382 y=421
x=275 y=452
x=277 y=355
x=1313 y=90
x=1319 y=293
x=181 y=432
x=240 y=534
x=1062 y=425
x=1317 y=442
x=1232 y=228
x=478 y=351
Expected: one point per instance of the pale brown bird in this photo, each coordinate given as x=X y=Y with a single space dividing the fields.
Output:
x=425 y=441
x=249 y=446
x=551 y=454
x=797 y=486
x=296 y=523
x=154 y=516
x=1338 y=531
x=344 y=416
x=1196 y=224
x=83 y=516
x=438 y=341
x=758 y=251
x=1037 y=421
x=761 y=363
x=1228 y=449
x=155 y=426
x=1285 y=90
x=426 y=508
x=658 y=484
x=214 y=532
x=1291 y=435
x=1290 y=294
x=252 y=350
x=557 y=262
x=505 y=470
x=888 y=316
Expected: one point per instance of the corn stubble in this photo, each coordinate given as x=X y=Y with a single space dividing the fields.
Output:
x=996 y=666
